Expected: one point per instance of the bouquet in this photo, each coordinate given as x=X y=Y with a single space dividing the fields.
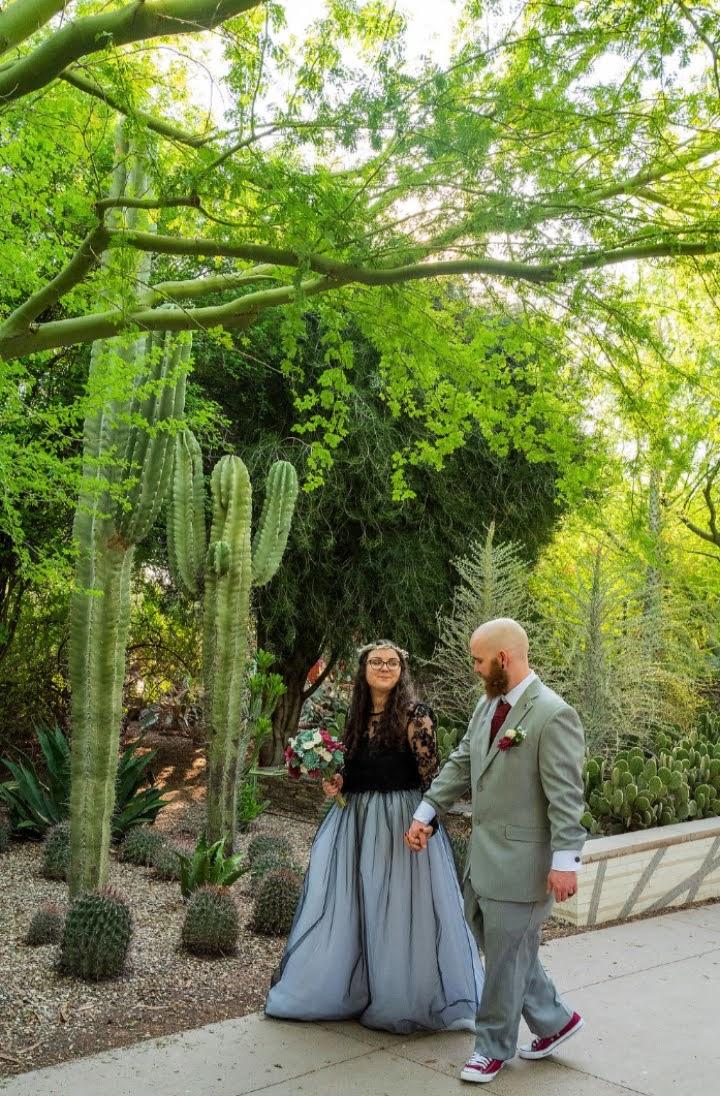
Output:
x=315 y=754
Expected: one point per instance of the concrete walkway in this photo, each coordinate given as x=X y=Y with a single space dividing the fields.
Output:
x=649 y=992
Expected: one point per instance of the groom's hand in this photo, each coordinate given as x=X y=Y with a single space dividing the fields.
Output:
x=562 y=884
x=417 y=836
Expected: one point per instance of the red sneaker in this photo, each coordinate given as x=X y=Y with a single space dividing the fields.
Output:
x=540 y=1048
x=479 y=1069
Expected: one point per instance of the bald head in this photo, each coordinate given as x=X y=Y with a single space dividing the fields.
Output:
x=499 y=650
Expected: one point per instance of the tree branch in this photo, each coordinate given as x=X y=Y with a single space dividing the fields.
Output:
x=334 y=274
x=94 y=33
x=329 y=665
x=21 y=19
x=85 y=259
x=203 y=287
x=157 y=125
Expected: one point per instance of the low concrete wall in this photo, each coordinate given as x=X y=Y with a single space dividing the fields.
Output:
x=646 y=871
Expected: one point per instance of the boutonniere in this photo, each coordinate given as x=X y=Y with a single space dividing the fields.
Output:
x=514 y=737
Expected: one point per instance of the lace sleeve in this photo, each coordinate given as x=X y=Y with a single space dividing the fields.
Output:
x=423 y=743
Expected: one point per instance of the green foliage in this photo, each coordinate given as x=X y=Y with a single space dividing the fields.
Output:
x=250 y=804
x=96 y=936
x=211 y=925
x=264 y=690
x=208 y=865
x=46 y=926
x=56 y=852
x=141 y=846
x=494 y=582
x=37 y=802
x=276 y=901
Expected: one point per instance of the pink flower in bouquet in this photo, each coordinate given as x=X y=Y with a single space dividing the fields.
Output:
x=315 y=754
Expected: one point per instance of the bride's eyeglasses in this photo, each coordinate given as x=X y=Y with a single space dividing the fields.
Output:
x=378 y=663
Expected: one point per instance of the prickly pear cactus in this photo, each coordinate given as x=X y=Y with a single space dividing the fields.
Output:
x=96 y=937
x=211 y=925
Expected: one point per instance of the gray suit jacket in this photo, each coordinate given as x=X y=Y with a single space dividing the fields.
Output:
x=527 y=801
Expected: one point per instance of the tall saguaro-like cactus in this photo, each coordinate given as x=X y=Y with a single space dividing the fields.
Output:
x=225 y=570
x=127 y=460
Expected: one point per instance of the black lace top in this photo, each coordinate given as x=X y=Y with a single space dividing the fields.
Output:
x=376 y=768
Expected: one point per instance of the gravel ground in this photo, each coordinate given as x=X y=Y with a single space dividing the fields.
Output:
x=46 y=1017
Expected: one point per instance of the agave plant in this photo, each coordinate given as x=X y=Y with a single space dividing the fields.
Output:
x=35 y=803
x=208 y=866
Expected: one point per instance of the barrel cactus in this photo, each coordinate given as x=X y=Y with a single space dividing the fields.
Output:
x=276 y=901
x=46 y=926
x=269 y=861
x=223 y=568
x=265 y=843
x=142 y=845
x=56 y=852
x=96 y=937
x=127 y=457
x=4 y=835
x=211 y=925
x=166 y=863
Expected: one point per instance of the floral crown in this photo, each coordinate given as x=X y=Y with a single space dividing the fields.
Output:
x=382 y=643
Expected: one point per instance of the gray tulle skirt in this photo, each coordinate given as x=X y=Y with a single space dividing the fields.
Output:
x=379 y=935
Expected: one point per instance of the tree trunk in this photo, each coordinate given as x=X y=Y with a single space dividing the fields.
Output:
x=287 y=713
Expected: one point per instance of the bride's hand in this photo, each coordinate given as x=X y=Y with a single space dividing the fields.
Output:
x=333 y=787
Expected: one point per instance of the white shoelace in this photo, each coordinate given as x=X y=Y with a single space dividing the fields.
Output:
x=479 y=1060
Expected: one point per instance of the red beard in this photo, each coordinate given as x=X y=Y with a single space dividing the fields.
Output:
x=495 y=681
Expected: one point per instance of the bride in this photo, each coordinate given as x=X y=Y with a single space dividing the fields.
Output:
x=379 y=935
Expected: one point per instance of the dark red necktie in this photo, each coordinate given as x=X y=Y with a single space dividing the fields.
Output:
x=499 y=717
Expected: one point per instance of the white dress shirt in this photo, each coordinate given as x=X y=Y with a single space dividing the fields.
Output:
x=564 y=859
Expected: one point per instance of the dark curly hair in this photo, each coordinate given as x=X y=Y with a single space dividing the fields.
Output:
x=392 y=727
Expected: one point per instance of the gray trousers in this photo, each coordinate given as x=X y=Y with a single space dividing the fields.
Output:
x=508 y=935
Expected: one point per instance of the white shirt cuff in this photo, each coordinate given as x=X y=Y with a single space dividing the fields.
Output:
x=565 y=860
x=425 y=813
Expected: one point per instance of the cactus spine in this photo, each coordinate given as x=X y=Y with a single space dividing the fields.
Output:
x=225 y=571
x=122 y=446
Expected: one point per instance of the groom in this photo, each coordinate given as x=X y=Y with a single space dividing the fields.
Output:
x=522 y=761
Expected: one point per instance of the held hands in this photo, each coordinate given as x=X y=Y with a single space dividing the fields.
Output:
x=562 y=884
x=333 y=787
x=417 y=836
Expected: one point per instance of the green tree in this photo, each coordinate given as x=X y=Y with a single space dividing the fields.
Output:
x=357 y=563
x=370 y=182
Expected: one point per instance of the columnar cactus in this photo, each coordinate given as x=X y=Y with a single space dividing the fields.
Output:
x=126 y=465
x=96 y=936
x=224 y=571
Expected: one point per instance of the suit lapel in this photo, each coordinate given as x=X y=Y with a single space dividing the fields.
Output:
x=517 y=713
